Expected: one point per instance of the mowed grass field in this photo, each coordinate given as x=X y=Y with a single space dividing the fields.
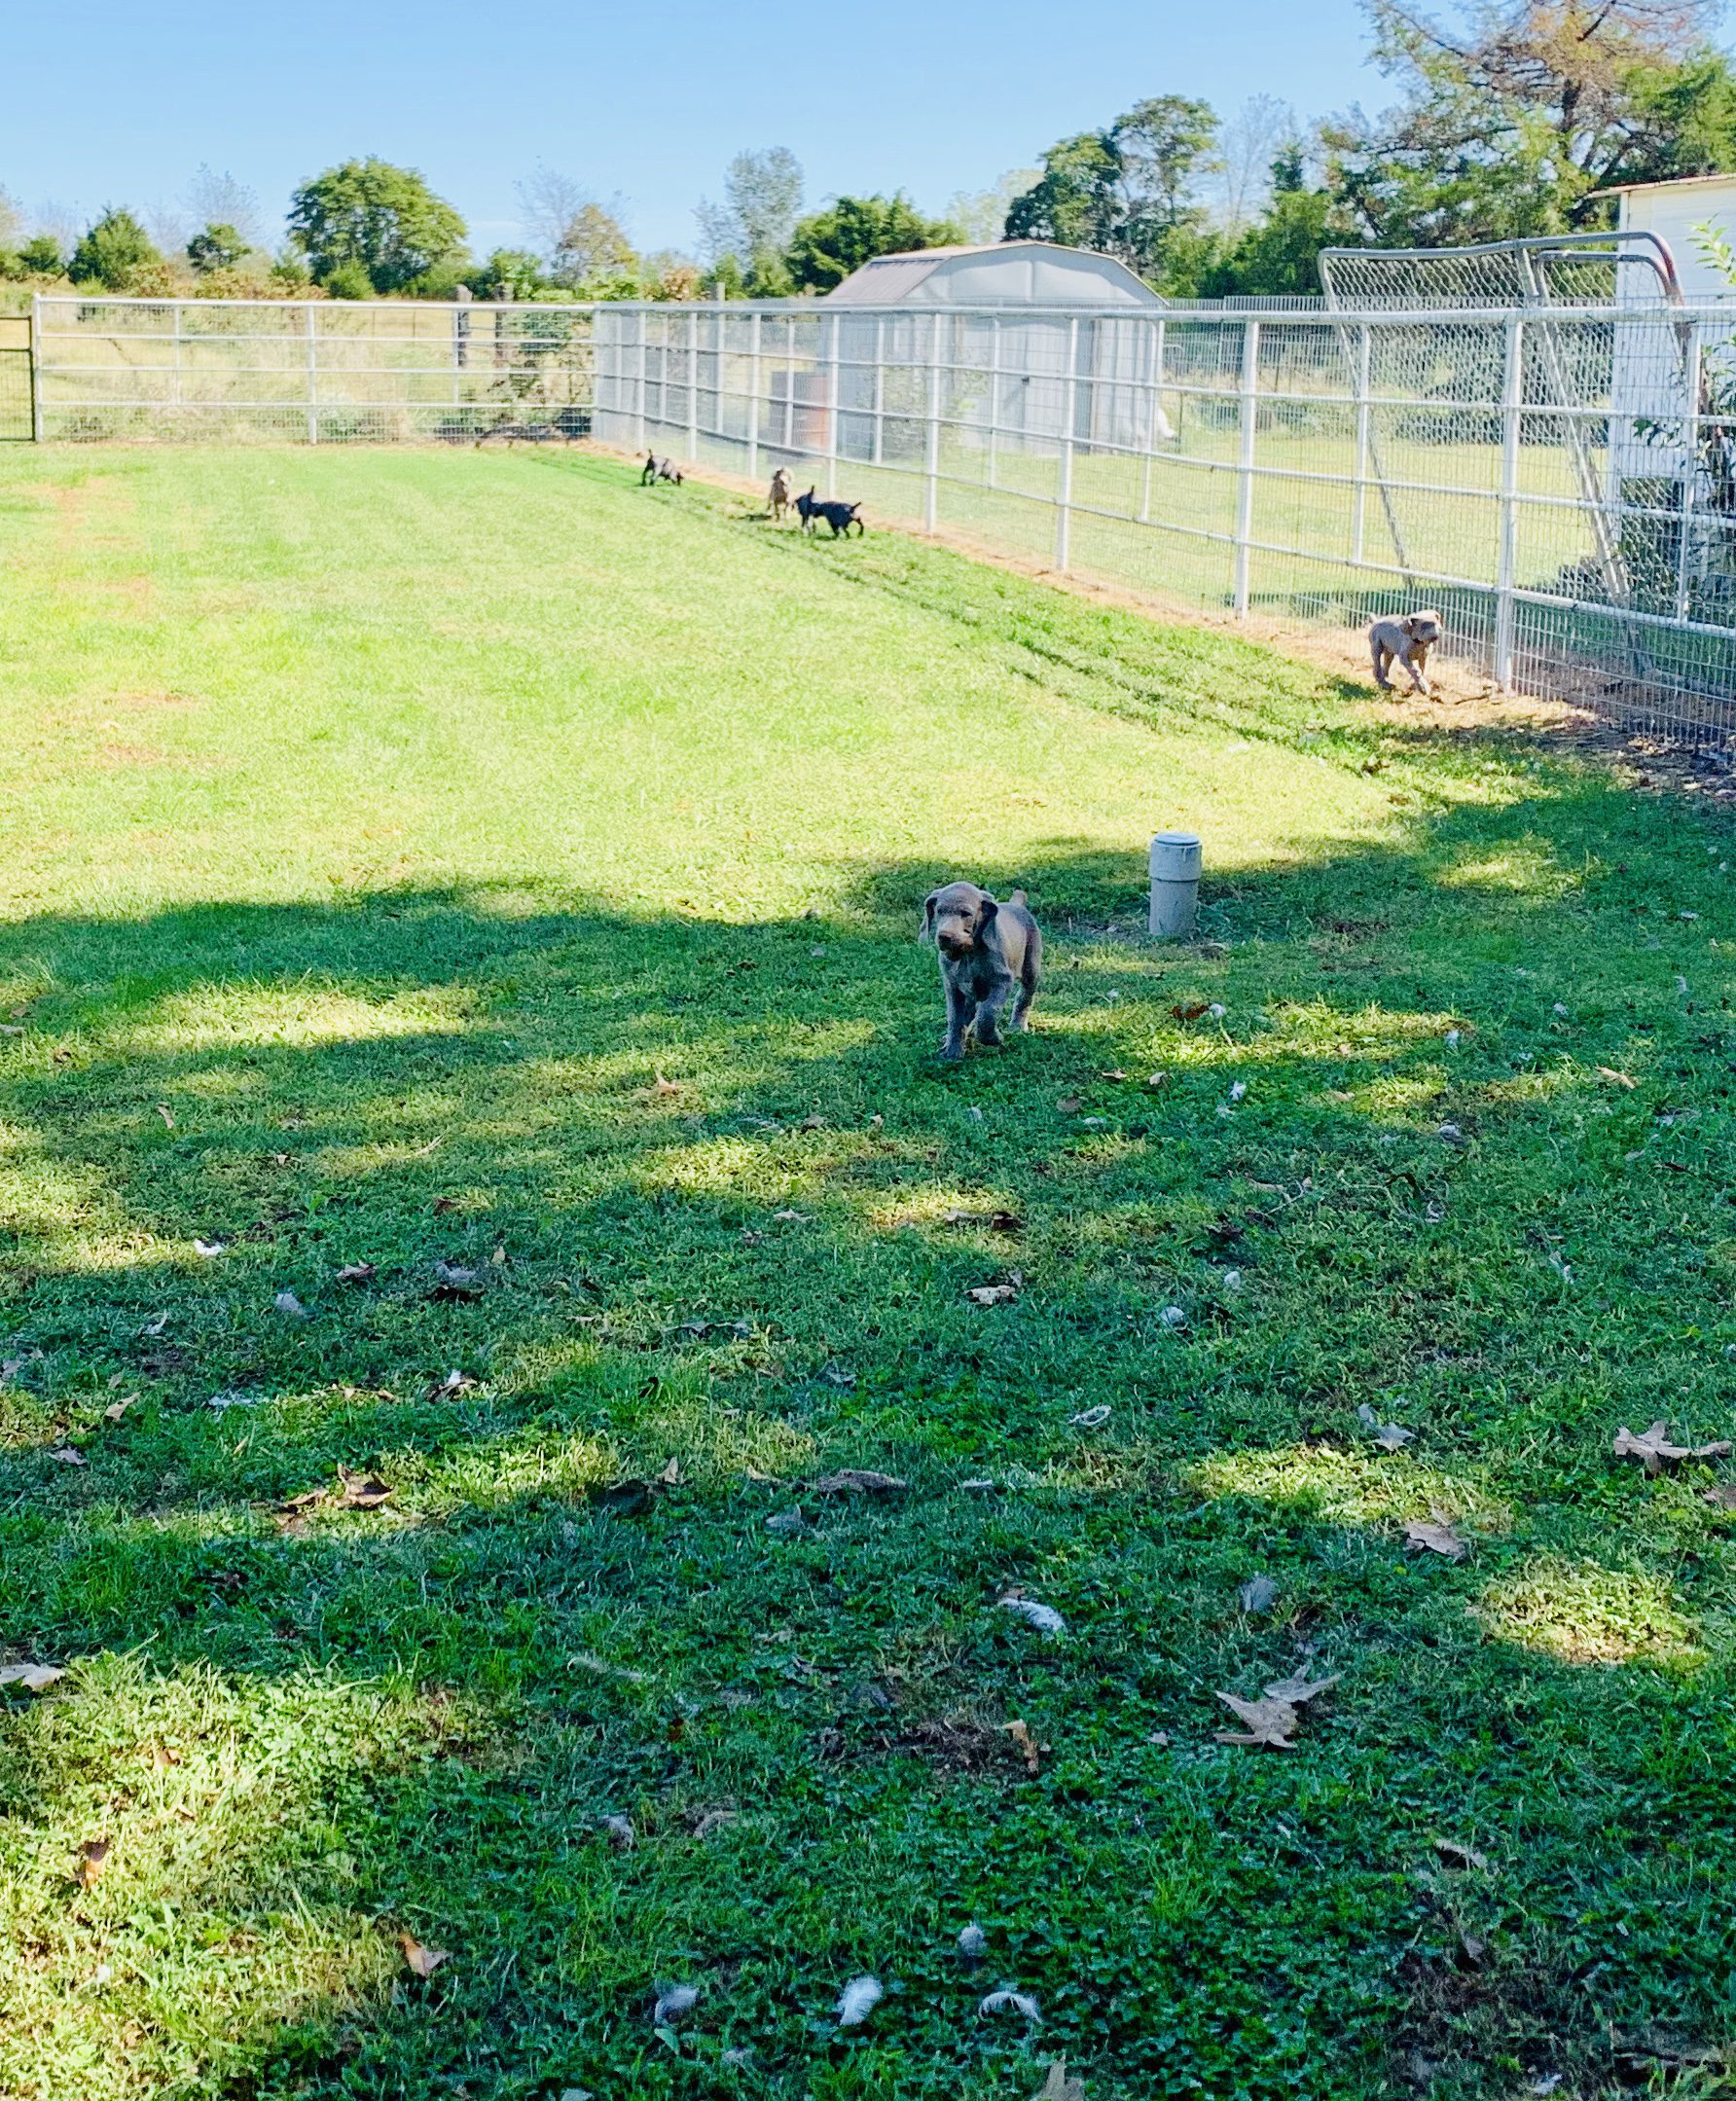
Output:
x=475 y=897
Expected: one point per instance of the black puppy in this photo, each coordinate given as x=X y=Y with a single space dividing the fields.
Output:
x=659 y=470
x=808 y=510
x=986 y=949
x=841 y=517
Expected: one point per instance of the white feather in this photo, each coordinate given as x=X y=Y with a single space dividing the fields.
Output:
x=973 y=1941
x=1043 y=1618
x=857 y=2000
x=674 y=2001
x=1005 y=2001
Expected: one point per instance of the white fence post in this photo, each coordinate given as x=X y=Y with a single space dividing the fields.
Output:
x=931 y=500
x=1064 y=508
x=1250 y=409
x=644 y=391
x=789 y=382
x=880 y=391
x=994 y=392
x=36 y=416
x=175 y=383
x=1692 y=381
x=753 y=398
x=692 y=387
x=1154 y=379
x=832 y=370
x=308 y=313
x=1364 y=386
x=1512 y=395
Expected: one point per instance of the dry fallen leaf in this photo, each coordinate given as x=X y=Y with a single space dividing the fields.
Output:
x=291 y=1307
x=356 y=1272
x=619 y=1833
x=1722 y=1496
x=1456 y=1856
x=998 y=1295
x=450 y=1386
x=92 y=1855
x=1652 y=1447
x=1620 y=1079
x=33 y=1677
x=1194 y=1010
x=996 y=1222
x=858 y=1481
x=67 y=1456
x=1271 y=1722
x=1438 y=1535
x=162 y=1110
x=116 y=1409
x=1058 y=2087
x=423 y=1961
x=703 y=1822
x=1257 y=1595
x=662 y=1085
x=362 y=1491
x=1028 y=1747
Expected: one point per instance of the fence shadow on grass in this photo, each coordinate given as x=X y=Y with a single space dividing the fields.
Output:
x=623 y=1104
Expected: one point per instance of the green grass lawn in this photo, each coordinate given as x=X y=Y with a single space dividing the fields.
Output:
x=475 y=860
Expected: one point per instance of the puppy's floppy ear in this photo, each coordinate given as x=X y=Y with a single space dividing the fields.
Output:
x=925 y=931
x=988 y=912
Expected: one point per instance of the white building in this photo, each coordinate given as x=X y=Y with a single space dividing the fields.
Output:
x=1676 y=212
x=1015 y=326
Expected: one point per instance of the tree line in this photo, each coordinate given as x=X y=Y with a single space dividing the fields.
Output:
x=1509 y=117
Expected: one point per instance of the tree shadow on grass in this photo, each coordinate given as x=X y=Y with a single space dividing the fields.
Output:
x=623 y=1105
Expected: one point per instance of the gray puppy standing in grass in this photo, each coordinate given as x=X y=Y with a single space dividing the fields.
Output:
x=986 y=950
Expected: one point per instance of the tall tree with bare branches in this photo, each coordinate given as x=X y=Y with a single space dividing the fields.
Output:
x=1516 y=113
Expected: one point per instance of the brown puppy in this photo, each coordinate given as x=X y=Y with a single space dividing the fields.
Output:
x=781 y=496
x=986 y=950
x=1405 y=641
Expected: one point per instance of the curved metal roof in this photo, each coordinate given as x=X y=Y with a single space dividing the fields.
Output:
x=1008 y=272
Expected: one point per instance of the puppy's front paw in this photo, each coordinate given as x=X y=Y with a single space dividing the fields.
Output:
x=952 y=1053
x=990 y=1038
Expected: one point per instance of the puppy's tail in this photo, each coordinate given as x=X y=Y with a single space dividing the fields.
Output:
x=1018 y=898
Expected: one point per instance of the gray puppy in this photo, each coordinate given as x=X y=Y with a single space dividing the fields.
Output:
x=986 y=950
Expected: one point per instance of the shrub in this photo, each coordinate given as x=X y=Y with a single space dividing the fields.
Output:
x=112 y=250
x=41 y=256
x=216 y=247
x=349 y=281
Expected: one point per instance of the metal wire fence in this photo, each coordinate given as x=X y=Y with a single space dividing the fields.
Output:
x=320 y=372
x=1559 y=481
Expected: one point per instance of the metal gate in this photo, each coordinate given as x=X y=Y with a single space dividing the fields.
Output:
x=16 y=419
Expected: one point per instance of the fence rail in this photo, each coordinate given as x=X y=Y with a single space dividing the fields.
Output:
x=1561 y=481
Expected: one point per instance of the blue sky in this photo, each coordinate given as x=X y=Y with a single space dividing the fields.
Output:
x=647 y=99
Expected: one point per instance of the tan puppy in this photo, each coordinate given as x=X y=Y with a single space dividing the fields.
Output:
x=986 y=950
x=781 y=496
x=1405 y=641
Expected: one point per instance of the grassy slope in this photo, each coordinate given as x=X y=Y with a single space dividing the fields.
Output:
x=393 y=822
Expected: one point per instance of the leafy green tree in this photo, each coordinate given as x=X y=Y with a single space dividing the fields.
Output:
x=1279 y=254
x=370 y=220
x=111 y=251
x=828 y=245
x=1516 y=113
x=762 y=204
x=1130 y=190
x=1077 y=201
x=592 y=250
x=214 y=247
x=517 y=272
